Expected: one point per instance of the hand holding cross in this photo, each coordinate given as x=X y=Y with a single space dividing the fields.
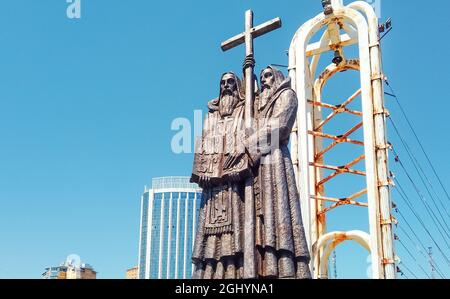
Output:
x=249 y=64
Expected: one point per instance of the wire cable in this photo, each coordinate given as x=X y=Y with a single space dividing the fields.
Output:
x=409 y=270
x=424 y=202
x=414 y=259
x=421 y=173
x=393 y=94
x=410 y=206
x=414 y=243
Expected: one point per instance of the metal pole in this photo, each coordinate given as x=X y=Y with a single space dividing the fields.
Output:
x=385 y=204
x=249 y=80
x=334 y=264
x=433 y=269
x=249 y=242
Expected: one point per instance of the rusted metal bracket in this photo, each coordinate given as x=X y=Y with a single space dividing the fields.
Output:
x=384 y=111
x=388 y=262
x=389 y=183
x=384 y=147
x=390 y=221
x=378 y=77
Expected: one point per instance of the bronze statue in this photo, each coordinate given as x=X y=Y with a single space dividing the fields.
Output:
x=227 y=156
x=282 y=250
x=250 y=223
x=220 y=168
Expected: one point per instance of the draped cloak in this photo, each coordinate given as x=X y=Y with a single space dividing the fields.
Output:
x=218 y=245
x=282 y=250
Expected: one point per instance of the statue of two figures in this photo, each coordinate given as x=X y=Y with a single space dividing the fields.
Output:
x=230 y=157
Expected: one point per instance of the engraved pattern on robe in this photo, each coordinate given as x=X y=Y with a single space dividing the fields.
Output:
x=280 y=236
x=218 y=246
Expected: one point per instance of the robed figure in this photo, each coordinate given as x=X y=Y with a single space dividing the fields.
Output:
x=220 y=168
x=282 y=250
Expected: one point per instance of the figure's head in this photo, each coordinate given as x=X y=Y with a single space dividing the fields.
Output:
x=267 y=79
x=228 y=84
x=271 y=78
x=230 y=93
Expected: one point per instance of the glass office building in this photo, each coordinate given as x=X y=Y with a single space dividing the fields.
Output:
x=169 y=217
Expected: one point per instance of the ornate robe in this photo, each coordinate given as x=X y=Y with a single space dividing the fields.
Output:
x=218 y=246
x=282 y=251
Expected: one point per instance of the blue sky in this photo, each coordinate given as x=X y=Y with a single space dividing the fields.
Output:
x=86 y=107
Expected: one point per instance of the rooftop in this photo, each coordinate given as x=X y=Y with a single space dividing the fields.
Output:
x=176 y=182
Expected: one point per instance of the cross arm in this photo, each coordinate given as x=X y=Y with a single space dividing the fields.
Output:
x=255 y=32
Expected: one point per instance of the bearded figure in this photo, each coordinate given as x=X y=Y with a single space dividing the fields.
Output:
x=282 y=250
x=220 y=168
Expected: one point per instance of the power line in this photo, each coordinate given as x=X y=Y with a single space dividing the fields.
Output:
x=415 y=213
x=433 y=270
x=420 y=172
x=417 y=138
x=409 y=270
x=410 y=206
x=421 y=252
x=411 y=240
x=412 y=256
x=408 y=224
x=401 y=272
x=427 y=207
x=415 y=234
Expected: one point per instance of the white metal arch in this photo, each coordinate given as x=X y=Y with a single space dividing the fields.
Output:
x=327 y=243
x=360 y=23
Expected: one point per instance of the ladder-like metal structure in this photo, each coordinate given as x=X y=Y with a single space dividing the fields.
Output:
x=354 y=24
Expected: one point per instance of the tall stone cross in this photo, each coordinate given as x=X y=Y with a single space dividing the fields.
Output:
x=246 y=38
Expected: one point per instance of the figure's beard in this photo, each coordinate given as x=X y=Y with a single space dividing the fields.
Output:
x=227 y=104
x=266 y=94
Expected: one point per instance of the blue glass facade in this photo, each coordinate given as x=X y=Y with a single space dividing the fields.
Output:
x=182 y=232
x=172 y=214
x=144 y=234
x=173 y=235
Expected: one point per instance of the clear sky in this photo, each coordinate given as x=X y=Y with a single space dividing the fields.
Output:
x=86 y=108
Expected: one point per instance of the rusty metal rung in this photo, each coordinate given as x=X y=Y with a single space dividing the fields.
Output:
x=341 y=202
x=339 y=108
x=356 y=161
x=352 y=98
x=336 y=138
x=326 y=120
x=358 y=194
x=338 y=169
x=336 y=205
x=334 y=107
x=338 y=200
